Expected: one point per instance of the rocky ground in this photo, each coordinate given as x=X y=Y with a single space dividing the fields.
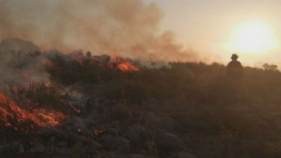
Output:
x=100 y=128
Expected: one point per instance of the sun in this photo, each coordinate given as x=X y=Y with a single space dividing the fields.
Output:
x=253 y=37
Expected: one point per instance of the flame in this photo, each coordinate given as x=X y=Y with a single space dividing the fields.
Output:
x=114 y=62
x=26 y=74
x=48 y=84
x=98 y=132
x=11 y=115
x=123 y=65
x=74 y=109
x=78 y=56
x=47 y=62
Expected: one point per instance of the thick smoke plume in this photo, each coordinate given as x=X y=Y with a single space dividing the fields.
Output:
x=126 y=27
x=20 y=63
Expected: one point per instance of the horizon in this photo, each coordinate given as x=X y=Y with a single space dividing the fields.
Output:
x=206 y=26
x=158 y=30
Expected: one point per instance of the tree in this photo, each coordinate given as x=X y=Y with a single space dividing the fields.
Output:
x=270 y=67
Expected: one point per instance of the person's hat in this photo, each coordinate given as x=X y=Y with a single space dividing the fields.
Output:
x=234 y=56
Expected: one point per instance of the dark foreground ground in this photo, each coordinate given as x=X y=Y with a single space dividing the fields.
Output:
x=180 y=110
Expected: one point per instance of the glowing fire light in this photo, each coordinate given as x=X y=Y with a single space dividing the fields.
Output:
x=47 y=62
x=11 y=115
x=26 y=74
x=126 y=66
x=98 y=132
x=115 y=62
x=48 y=84
x=123 y=65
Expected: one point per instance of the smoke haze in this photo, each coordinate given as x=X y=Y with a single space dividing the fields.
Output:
x=128 y=28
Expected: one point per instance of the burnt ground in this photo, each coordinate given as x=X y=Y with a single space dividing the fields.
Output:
x=180 y=110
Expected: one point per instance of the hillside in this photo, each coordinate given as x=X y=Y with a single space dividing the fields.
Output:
x=102 y=106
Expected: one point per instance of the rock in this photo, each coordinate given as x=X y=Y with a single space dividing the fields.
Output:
x=122 y=114
x=79 y=123
x=185 y=155
x=21 y=149
x=115 y=143
x=164 y=122
x=92 y=104
x=14 y=145
x=62 y=151
x=114 y=155
x=168 y=142
x=52 y=131
x=50 y=150
x=79 y=144
x=136 y=156
x=91 y=121
x=134 y=133
x=112 y=131
x=81 y=127
x=37 y=147
x=168 y=123
x=52 y=140
x=62 y=144
x=150 y=118
x=93 y=147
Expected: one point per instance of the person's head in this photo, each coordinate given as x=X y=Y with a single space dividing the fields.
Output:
x=234 y=57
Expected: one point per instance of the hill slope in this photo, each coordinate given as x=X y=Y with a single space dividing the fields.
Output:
x=185 y=110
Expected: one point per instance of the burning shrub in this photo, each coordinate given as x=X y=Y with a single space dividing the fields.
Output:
x=69 y=70
x=20 y=119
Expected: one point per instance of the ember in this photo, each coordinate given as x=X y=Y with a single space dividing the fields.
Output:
x=26 y=74
x=47 y=62
x=16 y=117
x=97 y=132
x=48 y=84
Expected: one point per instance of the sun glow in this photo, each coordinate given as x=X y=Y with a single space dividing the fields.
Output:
x=253 y=37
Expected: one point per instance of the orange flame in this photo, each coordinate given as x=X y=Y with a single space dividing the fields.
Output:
x=123 y=65
x=48 y=84
x=14 y=116
x=26 y=74
x=47 y=62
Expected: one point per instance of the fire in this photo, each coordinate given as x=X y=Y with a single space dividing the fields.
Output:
x=123 y=65
x=11 y=115
x=47 y=62
x=115 y=62
x=48 y=84
x=74 y=108
x=79 y=56
x=98 y=132
x=26 y=74
x=126 y=66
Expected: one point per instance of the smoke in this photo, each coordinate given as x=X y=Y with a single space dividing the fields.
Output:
x=126 y=27
x=20 y=63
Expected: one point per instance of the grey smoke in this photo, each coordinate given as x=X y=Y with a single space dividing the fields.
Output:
x=126 y=27
x=20 y=63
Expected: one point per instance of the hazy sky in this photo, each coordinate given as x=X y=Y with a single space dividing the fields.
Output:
x=205 y=25
x=213 y=29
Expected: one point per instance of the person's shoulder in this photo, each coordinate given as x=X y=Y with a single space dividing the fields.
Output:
x=238 y=63
x=231 y=63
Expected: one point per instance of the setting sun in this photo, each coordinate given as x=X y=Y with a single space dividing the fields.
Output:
x=253 y=37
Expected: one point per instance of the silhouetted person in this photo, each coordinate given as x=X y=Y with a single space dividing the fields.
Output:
x=234 y=76
x=234 y=69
